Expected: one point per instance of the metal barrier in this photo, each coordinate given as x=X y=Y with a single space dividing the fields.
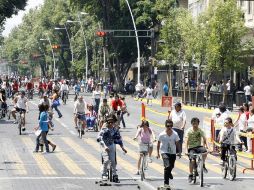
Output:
x=243 y=154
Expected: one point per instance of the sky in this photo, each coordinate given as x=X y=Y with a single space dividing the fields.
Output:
x=17 y=19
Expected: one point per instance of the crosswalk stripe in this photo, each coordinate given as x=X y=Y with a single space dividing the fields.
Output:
x=158 y=167
x=11 y=155
x=41 y=161
x=93 y=161
x=122 y=162
x=68 y=162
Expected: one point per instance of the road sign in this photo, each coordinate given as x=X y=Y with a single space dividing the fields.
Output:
x=166 y=101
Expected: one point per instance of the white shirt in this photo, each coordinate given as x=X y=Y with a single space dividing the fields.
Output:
x=242 y=122
x=178 y=118
x=247 y=90
x=228 y=136
x=219 y=121
x=96 y=94
x=139 y=87
x=21 y=102
x=149 y=93
x=251 y=121
x=64 y=87
x=228 y=86
x=168 y=143
x=80 y=107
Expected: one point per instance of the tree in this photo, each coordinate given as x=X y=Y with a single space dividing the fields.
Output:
x=10 y=7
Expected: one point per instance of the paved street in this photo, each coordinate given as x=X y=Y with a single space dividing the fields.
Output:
x=76 y=163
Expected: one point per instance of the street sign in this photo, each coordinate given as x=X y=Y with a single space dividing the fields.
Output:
x=166 y=101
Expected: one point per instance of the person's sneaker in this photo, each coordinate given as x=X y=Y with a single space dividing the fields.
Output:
x=166 y=186
x=115 y=179
x=150 y=160
x=104 y=177
x=23 y=128
x=60 y=116
x=15 y=122
x=35 y=151
x=53 y=148
x=170 y=176
x=137 y=173
x=205 y=170
x=190 y=178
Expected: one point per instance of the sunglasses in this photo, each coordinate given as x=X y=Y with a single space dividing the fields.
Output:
x=169 y=126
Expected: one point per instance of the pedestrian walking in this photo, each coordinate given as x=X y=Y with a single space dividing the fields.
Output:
x=166 y=146
x=55 y=103
x=247 y=93
x=178 y=116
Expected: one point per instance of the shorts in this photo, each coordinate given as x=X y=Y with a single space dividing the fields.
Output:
x=82 y=117
x=20 y=110
x=196 y=150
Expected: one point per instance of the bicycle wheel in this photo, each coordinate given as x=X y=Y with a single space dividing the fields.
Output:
x=201 y=174
x=232 y=168
x=224 y=170
x=143 y=165
x=80 y=129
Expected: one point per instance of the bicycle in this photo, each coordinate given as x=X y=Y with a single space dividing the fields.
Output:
x=143 y=149
x=81 y=124
x=230 y=163
x=21 y=120
x=198 y=168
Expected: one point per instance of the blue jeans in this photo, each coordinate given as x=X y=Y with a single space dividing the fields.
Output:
x=181 y=135
x=57 y=110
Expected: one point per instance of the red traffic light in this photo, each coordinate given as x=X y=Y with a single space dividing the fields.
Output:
x=101 y=33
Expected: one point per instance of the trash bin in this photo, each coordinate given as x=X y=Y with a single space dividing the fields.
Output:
x=240 y=98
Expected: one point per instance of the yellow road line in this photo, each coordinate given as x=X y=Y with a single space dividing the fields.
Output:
x=92 y=160
x=122 y=162
x=68 y=162
x=156 y=112
x=11 y=155
x=155 y=166
x=41 y=161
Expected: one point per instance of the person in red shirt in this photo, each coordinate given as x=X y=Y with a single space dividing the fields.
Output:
x=29 y=88
x=114 y=105
x=40 y=89
x=15 y=88
x=49 y=87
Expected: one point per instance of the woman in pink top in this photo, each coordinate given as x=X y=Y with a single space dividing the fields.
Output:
x=145 y=136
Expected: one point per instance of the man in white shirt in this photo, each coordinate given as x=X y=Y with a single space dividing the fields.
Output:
x=178 y=117
x=20 y=104
x=64 y=88
x=247 y=93
x=149 y=95
x=228 y=86
x=80 y=107
x=166 y=146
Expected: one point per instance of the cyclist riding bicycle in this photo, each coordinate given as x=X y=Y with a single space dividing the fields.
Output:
x=146 y=137
x=228 y=137
x=64 y=89
x=104 y=110
x=117 y=106
x=20 y=104
x=193 y=144
x=79 y=111
x=107 y=138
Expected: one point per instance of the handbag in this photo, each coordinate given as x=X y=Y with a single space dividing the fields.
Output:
x=56 y=102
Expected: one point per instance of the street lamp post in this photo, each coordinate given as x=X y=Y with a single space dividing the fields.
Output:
x=136 y=33
x=83 y=33
x=48 y=39
x=68 y=35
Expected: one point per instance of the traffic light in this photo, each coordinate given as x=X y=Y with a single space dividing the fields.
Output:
x=101 y=33
x=55 y=46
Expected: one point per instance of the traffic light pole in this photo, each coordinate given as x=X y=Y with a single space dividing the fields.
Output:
x=137 y=40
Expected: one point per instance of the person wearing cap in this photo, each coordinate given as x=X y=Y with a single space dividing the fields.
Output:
x=20 y=104
x=108 y=137
x=195 y=135
x=167 y=143
x=79 y=110
x=178 y=117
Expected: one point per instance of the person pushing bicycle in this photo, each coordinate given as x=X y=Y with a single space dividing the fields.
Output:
x=193 y=144
x=108 y=137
